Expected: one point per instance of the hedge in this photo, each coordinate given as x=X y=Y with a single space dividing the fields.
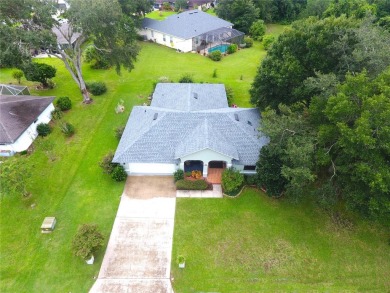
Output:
x=191 y=184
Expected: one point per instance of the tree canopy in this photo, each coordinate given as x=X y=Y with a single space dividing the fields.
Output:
x=108 y=25
x=242 y=13
x=334 y=45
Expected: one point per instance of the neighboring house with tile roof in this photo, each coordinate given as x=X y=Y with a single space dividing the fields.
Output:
x=189 y=31
x=189 y=126
x=19 y=117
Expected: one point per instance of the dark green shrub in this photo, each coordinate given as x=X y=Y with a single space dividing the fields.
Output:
x=268 y=40
x=248 y=41
x=191 y=184
x=22 y=153
x=87 y=241
x=215 y=55
x=64 y=103
x=215 y=75
x=106 y=163
x=43 y=129
x=40 y=72
x=229 y=95
x=119 y=131
x=186 y=78
x=119 y=173
x=178 y=175
x=67 y=129
x=188 y=174
x=250 y=179
x=232 y=181
x=96 y=88
x=232 y=49
x=56 y=114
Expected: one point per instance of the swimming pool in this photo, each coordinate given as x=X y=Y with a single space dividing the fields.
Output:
x=222 y=48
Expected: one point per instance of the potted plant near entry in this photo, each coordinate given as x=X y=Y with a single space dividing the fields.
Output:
x=87 y=241
x=181 y=260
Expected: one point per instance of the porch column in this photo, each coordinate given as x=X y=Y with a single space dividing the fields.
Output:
x=205 y=168
x=228 y=164
x=181 y=165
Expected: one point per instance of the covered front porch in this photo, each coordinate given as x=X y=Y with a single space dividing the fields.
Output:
x=212 y=170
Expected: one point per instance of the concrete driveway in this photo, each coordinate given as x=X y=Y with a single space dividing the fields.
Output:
x=138 y=255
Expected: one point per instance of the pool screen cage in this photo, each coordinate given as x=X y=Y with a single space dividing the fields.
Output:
x=217 y=37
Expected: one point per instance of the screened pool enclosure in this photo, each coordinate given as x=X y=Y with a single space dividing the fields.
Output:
x=217 y=39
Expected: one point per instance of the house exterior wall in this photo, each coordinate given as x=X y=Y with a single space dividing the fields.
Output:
x=170 y=41
x=241 y=169
x=150 y=169
x=28 y=136
x=205 y=156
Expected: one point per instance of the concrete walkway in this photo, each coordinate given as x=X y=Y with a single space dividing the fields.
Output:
x=138 y=255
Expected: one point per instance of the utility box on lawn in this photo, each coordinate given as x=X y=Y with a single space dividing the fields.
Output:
x=48 y=224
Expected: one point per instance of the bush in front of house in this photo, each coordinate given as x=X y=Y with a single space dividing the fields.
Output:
x=106 y=163
x=67 y=129
x=119 y=131
x=186 y=78
x=232 y=49
x=119 y=174
x=64 y=103
x=56 y=114
x=87 y=241
x=43 y=129
x=215 y=55
x=96 y=88
x=178 y=175
x=229 y=95
x=248 y=41
x=232 y=181
x=191 y=184
x=40 y=72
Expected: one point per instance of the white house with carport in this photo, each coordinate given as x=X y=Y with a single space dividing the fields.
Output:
x=190 y=127
x=191 y=30
x=19 y=117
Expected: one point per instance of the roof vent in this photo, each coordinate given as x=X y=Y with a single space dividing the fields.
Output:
x=155 y=116
x=236 y=117
x=195 y=95
x=250 y=123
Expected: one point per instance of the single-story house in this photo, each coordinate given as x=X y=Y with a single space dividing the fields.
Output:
x=19 y=117
x=190 y=127
x=13 y=90
x=191 y=30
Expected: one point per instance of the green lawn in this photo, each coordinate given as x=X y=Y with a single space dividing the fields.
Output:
x=275 y=29
x=66 y=180
x=159 y=15
x=256 y=244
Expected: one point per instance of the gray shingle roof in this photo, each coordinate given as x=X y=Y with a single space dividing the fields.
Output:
x=187 y=24
x=64 y=33
x=171 y=134
x=189 y=96
x=17 y=113
x=204 y=136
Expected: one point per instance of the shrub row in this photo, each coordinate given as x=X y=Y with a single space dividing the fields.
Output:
x=96 y=88
x=191 y=184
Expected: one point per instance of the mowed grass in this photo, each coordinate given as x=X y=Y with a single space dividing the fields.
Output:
x=256 y=244
x=159 y=15
x=66 y=180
